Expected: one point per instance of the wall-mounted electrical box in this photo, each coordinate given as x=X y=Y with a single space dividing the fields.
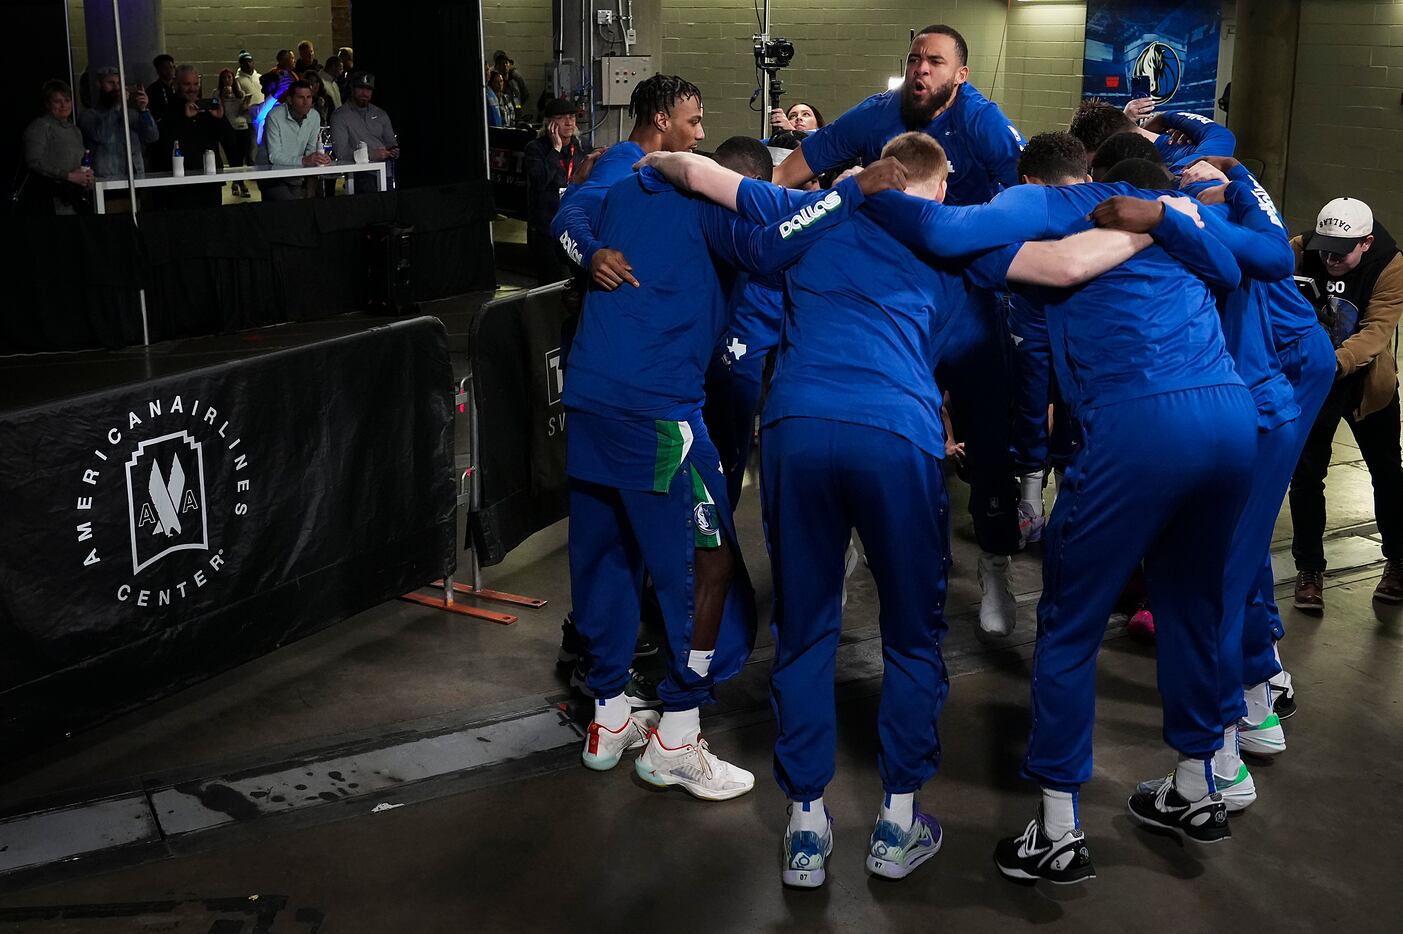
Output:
x=619 y=75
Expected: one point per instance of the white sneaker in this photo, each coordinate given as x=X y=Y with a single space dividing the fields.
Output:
x=1265 y=739
x=695 y=767
x=998 y=609
x=1030 y=522
x=605 y=747
x=1239 y=791
x=1283 y=695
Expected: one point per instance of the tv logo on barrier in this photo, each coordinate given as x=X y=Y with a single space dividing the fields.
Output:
x=166 y=498
x=555 y=378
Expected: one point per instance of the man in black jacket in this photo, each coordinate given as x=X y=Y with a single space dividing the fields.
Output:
x=550 y=159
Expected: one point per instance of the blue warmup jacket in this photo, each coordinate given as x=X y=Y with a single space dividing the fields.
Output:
x=854 y=353
x=1206 y=138
x=640 y=354
x=1105 y=348
x=581 y=207
x=980 y=141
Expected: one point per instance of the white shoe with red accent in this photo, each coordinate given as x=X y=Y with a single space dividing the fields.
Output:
x=604 y=747
x=694 y=767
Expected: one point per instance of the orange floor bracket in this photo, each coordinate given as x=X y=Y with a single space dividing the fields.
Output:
x=462 y=609
x=495 y=595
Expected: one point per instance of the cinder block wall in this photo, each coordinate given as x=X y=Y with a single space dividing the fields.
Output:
x=1042 y=68
x=1347 y=119
x=209 y=35
x=521 y=28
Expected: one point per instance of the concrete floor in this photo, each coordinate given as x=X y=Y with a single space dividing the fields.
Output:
x=541 y=844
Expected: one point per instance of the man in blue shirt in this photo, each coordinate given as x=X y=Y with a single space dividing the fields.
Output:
x=646 y=493
x=982 y=146
x=1140 y=356
x=853 y=439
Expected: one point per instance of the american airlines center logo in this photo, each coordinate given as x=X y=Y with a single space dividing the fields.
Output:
x=157 y=492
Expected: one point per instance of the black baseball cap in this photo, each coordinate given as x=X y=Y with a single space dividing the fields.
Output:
x=560 y=107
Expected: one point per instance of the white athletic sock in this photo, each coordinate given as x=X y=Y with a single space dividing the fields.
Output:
x=1227 y=762
x=1258 y=703
x=900 y=809
x=700 y=662
x=808 y=815
x=1193 y=778
x=679 y=728
x=1032 y=484
x=611 y=714
x=1059 y=813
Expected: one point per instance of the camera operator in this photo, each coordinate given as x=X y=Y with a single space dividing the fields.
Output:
x=1357 y=272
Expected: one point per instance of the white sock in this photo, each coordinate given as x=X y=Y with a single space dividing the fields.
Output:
x=900 y=809
x=679 y=728
x=1032 y=484
x=1227 y=762
x=1258 y=703
x=700 y=662
x=808 y=815
x=1059 y=813
x=611 y=714
x=1193 y=778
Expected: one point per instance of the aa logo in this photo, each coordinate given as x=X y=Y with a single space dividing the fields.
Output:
x=1161 y=64
x=166 y=498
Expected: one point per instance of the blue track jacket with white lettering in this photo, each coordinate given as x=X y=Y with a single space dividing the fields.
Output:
x=577 y=220
x=640 y=355
x=1206 y=138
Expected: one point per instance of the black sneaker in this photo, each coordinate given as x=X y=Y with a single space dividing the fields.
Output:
x=572 y=646
x=640 y=692
x=1204 y=820
x=1032 y=856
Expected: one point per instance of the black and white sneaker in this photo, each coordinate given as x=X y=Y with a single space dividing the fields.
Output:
x=1204 y=820
x=1032 y=856
x=1283 y=695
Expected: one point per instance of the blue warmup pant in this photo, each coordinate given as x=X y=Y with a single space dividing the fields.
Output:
x=732 y=399
x=974 y=369
x=1034 y=389
x=616 y=536
x=819 y=481
x=1272 y=466
x=1309 y=364
x=1163 y=479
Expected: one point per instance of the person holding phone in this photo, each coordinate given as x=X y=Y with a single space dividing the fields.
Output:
x=195 y=121
x=102 y=126
x=1141 y=104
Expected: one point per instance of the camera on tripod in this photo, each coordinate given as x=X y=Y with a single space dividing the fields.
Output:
x=772 y=54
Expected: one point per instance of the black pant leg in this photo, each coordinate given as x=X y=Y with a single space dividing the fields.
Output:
x=1307 y=496
x=1377 y=435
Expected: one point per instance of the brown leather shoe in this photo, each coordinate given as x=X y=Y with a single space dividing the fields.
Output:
x=1309 y=591
x=1390 y=589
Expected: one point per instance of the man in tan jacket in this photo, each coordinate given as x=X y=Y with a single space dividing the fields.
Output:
x=1356 y=273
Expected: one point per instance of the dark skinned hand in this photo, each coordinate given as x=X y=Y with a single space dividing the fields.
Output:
x=610 y=269
x=882 y=175
x=1125 y=213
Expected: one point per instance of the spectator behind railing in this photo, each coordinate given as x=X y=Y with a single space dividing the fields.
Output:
x=197 y=123
x=361 y=121
x=274 y=84
x=250 y=91
x=321 y=99
x=102 y=126
x=291 y=137
x=161 y=93
x=496 y=105
x=347 y=57
x=331 y=80
x=306 y=59
x=59 y=183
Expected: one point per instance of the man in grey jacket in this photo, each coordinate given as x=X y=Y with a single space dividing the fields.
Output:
x=360 y=121
x=102 y=126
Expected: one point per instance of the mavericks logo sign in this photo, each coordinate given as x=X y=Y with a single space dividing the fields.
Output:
x=1161 y=64
x=162 y=481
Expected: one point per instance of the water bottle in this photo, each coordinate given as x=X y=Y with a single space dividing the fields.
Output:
x=390 y=174
x=87 y=162
x=177 y=161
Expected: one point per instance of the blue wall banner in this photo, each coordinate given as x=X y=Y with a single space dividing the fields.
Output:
x=1166 y=48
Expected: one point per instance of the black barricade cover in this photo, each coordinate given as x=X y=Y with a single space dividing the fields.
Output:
x=159 y=532
x=517 y=384
x=74 y=279
x=506 y=157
